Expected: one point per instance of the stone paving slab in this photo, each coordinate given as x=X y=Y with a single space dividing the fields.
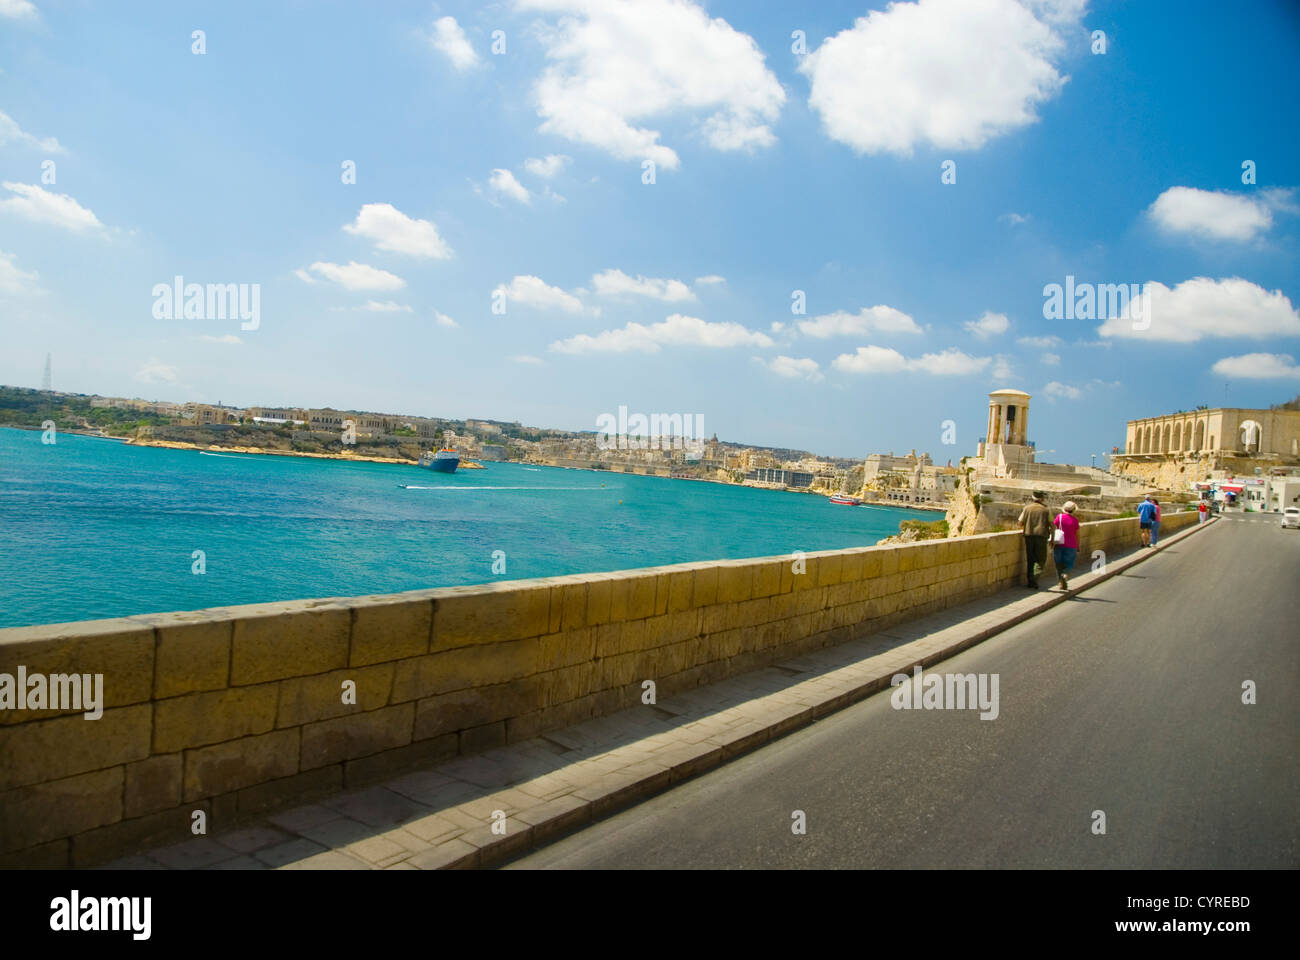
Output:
x=482 y=810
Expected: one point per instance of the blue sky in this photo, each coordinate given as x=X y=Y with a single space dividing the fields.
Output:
x=775 y=172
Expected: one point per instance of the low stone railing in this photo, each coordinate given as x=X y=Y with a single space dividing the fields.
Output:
x=236 y=711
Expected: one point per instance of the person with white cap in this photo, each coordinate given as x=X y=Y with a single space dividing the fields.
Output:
x=1065 y=543
x=1146 y=516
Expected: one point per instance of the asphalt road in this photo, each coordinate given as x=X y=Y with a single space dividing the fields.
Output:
x=1126 y=700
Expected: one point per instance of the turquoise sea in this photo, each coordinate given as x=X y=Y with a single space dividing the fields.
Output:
x=93 y=528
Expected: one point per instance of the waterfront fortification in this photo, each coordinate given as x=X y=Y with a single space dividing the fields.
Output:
x=216 y=716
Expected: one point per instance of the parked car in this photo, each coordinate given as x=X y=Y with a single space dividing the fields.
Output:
x=1291 y=517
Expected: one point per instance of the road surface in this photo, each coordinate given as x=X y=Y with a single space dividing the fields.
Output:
x=1126 y=700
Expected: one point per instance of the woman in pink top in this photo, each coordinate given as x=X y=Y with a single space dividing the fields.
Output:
x=1065 y=544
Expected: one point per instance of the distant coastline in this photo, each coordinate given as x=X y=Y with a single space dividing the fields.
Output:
x=212 y=448
x=471 y=465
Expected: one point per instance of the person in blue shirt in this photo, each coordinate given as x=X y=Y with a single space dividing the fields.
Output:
x=1146 y=516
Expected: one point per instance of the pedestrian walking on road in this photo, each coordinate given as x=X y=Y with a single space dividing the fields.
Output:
x=1065 y=543
x=1036 y=522
x=1155 y=523
x=1203 y=509
x=1146 y=513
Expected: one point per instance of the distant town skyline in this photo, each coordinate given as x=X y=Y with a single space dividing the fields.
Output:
x=833 y=229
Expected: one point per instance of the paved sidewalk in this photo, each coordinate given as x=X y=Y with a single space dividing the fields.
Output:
x=482 y=810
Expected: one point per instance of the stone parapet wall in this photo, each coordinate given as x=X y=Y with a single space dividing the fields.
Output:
x=237 y=711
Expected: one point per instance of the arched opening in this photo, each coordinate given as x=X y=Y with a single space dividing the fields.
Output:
x=1198 y=438
x=1251 y=436
x=1178 y=438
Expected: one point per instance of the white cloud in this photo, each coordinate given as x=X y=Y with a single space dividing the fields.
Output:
x=442 y=320
x=548 y=166
x=873 y=359
x=676 y=330
x=711 y=280
x=615 y=66
x=1258 y=366
x=777 y=326
x=1056 y=389
x=41 y=206
x=394 y=231
x=1002 y=369
x=526 y=358
x=793 y=368
x=14 y=280
x=1215 y=215
x=503 y=181
x=10 y=132
x=17 y=9
x=951 y=74
x=1014 y=219
x=155 y=371
x=353 y=276
x=1040 y=342
x=449 y=38
x=1050 y=359
x=227 y=338
x=615 y=282
x=385 y=306
x=990 y=324
x=1201 y=308
x=841 y=323
x=535 y=292
x=949 y=363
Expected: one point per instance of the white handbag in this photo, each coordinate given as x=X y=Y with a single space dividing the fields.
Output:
x=1058 y=538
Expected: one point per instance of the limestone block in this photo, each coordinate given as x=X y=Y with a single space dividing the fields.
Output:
x=345 y=738
x=235 y=764
x=681 y=586
x=705 y=591
x=753 y=612
x=67 y=745
x=465 y=617
x=568 y=683
x=306 y=699
x=599 y=591
x=829 y=569
x=767 y=578
x=388 y=628
x=464 y=667
x=198 y=719
x=275 y=641
x=121 y=650
x=451 y=712
x=152 y=784
x=192 y=654
x=607 y=639
x=41 y=812
x=735 y=581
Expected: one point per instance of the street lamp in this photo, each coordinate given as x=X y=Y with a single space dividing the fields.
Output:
x=1094 y=461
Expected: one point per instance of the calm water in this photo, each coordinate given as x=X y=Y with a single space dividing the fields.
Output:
x=93 y=528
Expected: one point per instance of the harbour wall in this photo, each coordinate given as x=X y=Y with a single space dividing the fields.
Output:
x=237 y=711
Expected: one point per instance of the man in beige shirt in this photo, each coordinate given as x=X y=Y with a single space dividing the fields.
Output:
x=1036 y=522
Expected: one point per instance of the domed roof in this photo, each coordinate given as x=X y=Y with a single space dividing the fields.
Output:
x=1018 y=394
